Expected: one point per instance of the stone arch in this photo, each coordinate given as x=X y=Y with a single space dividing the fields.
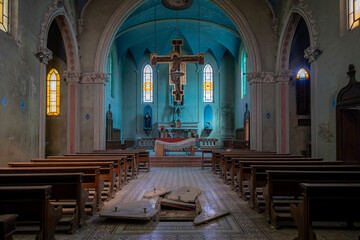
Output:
x=294 y=13
x=56 y=11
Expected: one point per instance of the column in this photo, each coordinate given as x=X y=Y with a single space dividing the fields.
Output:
x=73 y=132
x=44 y=55
x=311 y=54
x=98 y=79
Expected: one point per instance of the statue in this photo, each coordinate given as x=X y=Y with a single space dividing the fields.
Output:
x=109 y=124
x=147 y=120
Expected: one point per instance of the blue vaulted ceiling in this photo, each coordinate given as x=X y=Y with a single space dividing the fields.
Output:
x=152 y=26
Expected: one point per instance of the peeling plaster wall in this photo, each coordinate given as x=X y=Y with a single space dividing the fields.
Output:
x=20 y=83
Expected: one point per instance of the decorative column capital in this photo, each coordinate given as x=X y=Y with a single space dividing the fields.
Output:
x=312 y=53
x=94 y=78
x=283 y=76
x=44 y=54
x=260 y=77
x=72 y=77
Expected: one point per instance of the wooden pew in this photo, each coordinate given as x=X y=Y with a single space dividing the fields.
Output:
x=91 y=179
x=118 y=164
x=204 y=160
x=32 y=203
x=106 y=170
x=67 y=192
x=7 y=226
x=259 y=177
x=244 y=172
x=283 y=188
x=325 y=202
x=130 y=161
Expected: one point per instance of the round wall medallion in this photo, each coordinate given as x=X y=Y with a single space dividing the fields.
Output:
x=177 y=4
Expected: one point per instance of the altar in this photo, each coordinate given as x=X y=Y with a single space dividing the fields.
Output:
x=185 y=130
x=163 y=145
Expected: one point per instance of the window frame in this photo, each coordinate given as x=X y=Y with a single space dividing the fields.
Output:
x=353 y=17
x=49 y=111
x=145 y=98
x=6 y=16
x=205 y=73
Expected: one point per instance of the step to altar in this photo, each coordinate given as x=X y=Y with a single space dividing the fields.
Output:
x=175 y=161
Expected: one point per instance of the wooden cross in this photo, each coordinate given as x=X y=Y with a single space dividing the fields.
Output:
x=177 y=62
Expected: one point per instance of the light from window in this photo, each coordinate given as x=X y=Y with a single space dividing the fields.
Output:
x=111 y=76
x=53 y=93
x=148 y=85
x=208 y=84
x=354 y=13
x=4 y=15
x=243 y=74
x=302 y=74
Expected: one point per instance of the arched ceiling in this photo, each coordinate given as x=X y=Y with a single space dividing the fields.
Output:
x=203 y=26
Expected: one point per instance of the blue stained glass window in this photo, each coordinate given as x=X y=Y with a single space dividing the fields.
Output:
x=243 y=74
x=208 y=83
x=148 y=84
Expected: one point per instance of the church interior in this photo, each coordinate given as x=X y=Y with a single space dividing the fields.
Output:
x=116 y=110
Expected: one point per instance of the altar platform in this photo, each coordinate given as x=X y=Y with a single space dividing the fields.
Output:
x=176 y=159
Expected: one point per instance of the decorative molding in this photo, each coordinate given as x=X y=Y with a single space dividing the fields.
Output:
x=325 y=132
x=72 y=77
x=283 y=76
x=312 y=53
x=307 y=14
x=45 y=22
x=44 y=54
x=94 y=78
x=260 y=77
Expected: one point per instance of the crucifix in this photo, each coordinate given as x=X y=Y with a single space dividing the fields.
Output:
x=177 y=66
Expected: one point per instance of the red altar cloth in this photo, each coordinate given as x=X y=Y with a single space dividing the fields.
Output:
x=171 y=140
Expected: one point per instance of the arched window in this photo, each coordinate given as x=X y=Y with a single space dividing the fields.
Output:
x=4 y=15
x=208 y=82
x=148 y=84
x=353 y=13
x=303 y=92
x=243 y=74
x=53 y=93
x=111 y=75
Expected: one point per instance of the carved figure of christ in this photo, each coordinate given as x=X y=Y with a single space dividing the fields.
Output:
x=177 y=62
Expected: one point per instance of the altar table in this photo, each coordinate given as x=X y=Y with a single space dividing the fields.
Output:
x=173 y=145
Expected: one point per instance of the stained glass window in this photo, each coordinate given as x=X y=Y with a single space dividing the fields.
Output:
x=53 y=93
x=208 y=84
x=148 y=84
x=243 y=74
x=4 y=15
x=354 y=13
x=111 y=75
x=303 y=92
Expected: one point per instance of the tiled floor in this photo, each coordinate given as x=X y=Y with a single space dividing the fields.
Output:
x=243 y=223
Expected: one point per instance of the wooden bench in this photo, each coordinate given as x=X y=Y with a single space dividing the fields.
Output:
x=283 y=188
x=118 y=164
x=244 y=172
x=32 y=204
x=7 y=226
x=325 y=202
x=205 y=162
x=259 y=177
x=91 y=180
x=67 y=192
x=106 y=170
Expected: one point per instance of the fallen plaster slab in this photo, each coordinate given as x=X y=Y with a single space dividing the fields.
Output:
x=178 y=205
x=185 y=194
x=156 y=193
x=208 y=212
x=138 y=210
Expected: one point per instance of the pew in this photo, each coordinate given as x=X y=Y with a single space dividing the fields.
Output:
x=204 y=160
x=118 y=164
x=325 y=202
x=258 y=178
x=32 y=204
x=130 y=161
x=67 y=192
x=91 y=180
x=106 y=170
x=7 y=226
x=283 y=188
x=244 y=172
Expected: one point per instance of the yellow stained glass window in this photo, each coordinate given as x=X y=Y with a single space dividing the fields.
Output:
x=208 y=84
x=353 y=13
x=148 y=84
x=53 y=93
x=4 y=15
x=302 y=74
